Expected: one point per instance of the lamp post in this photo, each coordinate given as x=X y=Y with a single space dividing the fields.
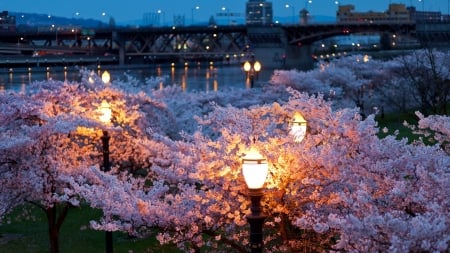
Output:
x=55 y=28
x=192 y=13
x=228 y=14
x=287 y=6
x=105 y=117
x=104 y=15
x=307 y=2
x=75 y=25
x=423 y=5
x=255 y=169
x=160 y=12
x=298 y=127
x=251 y=69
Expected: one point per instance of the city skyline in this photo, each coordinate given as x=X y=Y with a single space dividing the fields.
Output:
x=201 y=10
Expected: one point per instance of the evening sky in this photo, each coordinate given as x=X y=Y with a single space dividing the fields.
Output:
x=124 y=11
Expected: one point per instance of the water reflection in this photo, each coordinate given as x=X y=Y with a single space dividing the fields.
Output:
x=190 y=77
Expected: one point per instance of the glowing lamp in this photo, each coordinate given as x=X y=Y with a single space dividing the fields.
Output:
x=254 y=169
x=298 y=127
x=257 y=66
x=106 y=77
x=247 y=66
x=105 y=112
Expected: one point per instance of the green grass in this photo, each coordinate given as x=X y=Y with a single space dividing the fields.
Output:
x=394 y=122
x=30 y=235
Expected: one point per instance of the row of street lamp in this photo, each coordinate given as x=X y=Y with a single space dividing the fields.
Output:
x=254 y=166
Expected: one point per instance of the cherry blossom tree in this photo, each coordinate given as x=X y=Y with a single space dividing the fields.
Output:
x=341 y=189
x=34 y=156
x=427 y=73
x=52 y=133
x=348 y=81
x=419 y=79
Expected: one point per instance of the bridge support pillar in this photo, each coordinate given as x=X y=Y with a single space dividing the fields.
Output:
x=122 y=54
x=286 y=58
x=299 y=57
x=120 y=42
x=272 y=48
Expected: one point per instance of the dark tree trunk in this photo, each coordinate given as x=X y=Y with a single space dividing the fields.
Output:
x=54 y=225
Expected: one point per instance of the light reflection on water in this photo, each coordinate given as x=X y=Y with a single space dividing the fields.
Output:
x=199 y=77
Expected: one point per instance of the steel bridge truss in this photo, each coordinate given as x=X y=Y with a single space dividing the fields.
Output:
x=298 y=35
x=186 y=42
x=165 y=43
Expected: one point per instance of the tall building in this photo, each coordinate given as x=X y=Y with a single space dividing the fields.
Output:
x=7 y=22
x=258 y=12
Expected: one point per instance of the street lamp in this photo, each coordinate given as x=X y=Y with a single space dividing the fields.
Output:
x=53 y=27
x=252 y=68
x=105 y=117
x=287 y=6
x=423 y=5
x=105 y=112
x=192 y=17
x=160 y=12
x=106 y=77
x=298 y=127
x=228 y=14
x=255 y=170
x=109 y=22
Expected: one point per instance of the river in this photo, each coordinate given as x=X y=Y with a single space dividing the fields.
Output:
x=201 y=77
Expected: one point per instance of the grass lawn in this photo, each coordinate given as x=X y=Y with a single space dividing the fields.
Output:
x=30 y=235
x=394 y=122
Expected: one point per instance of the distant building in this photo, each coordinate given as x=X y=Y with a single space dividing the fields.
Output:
x=151 y=19
x=446 y=17
x=178 y=20
x=426 y=16
x=259 y=12
x=395 y=13
x=7 y=22
x=304 y=16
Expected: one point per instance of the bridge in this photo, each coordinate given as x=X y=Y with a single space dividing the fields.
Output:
x=276 y=45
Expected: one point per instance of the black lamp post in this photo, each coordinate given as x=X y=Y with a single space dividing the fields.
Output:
x=105 y=117
x=107 y=167
x=252 y=68
x=255 y=169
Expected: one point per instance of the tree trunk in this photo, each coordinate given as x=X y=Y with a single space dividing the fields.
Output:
x=54 y=225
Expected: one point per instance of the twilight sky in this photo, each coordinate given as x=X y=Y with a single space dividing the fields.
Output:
x=128 y=10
